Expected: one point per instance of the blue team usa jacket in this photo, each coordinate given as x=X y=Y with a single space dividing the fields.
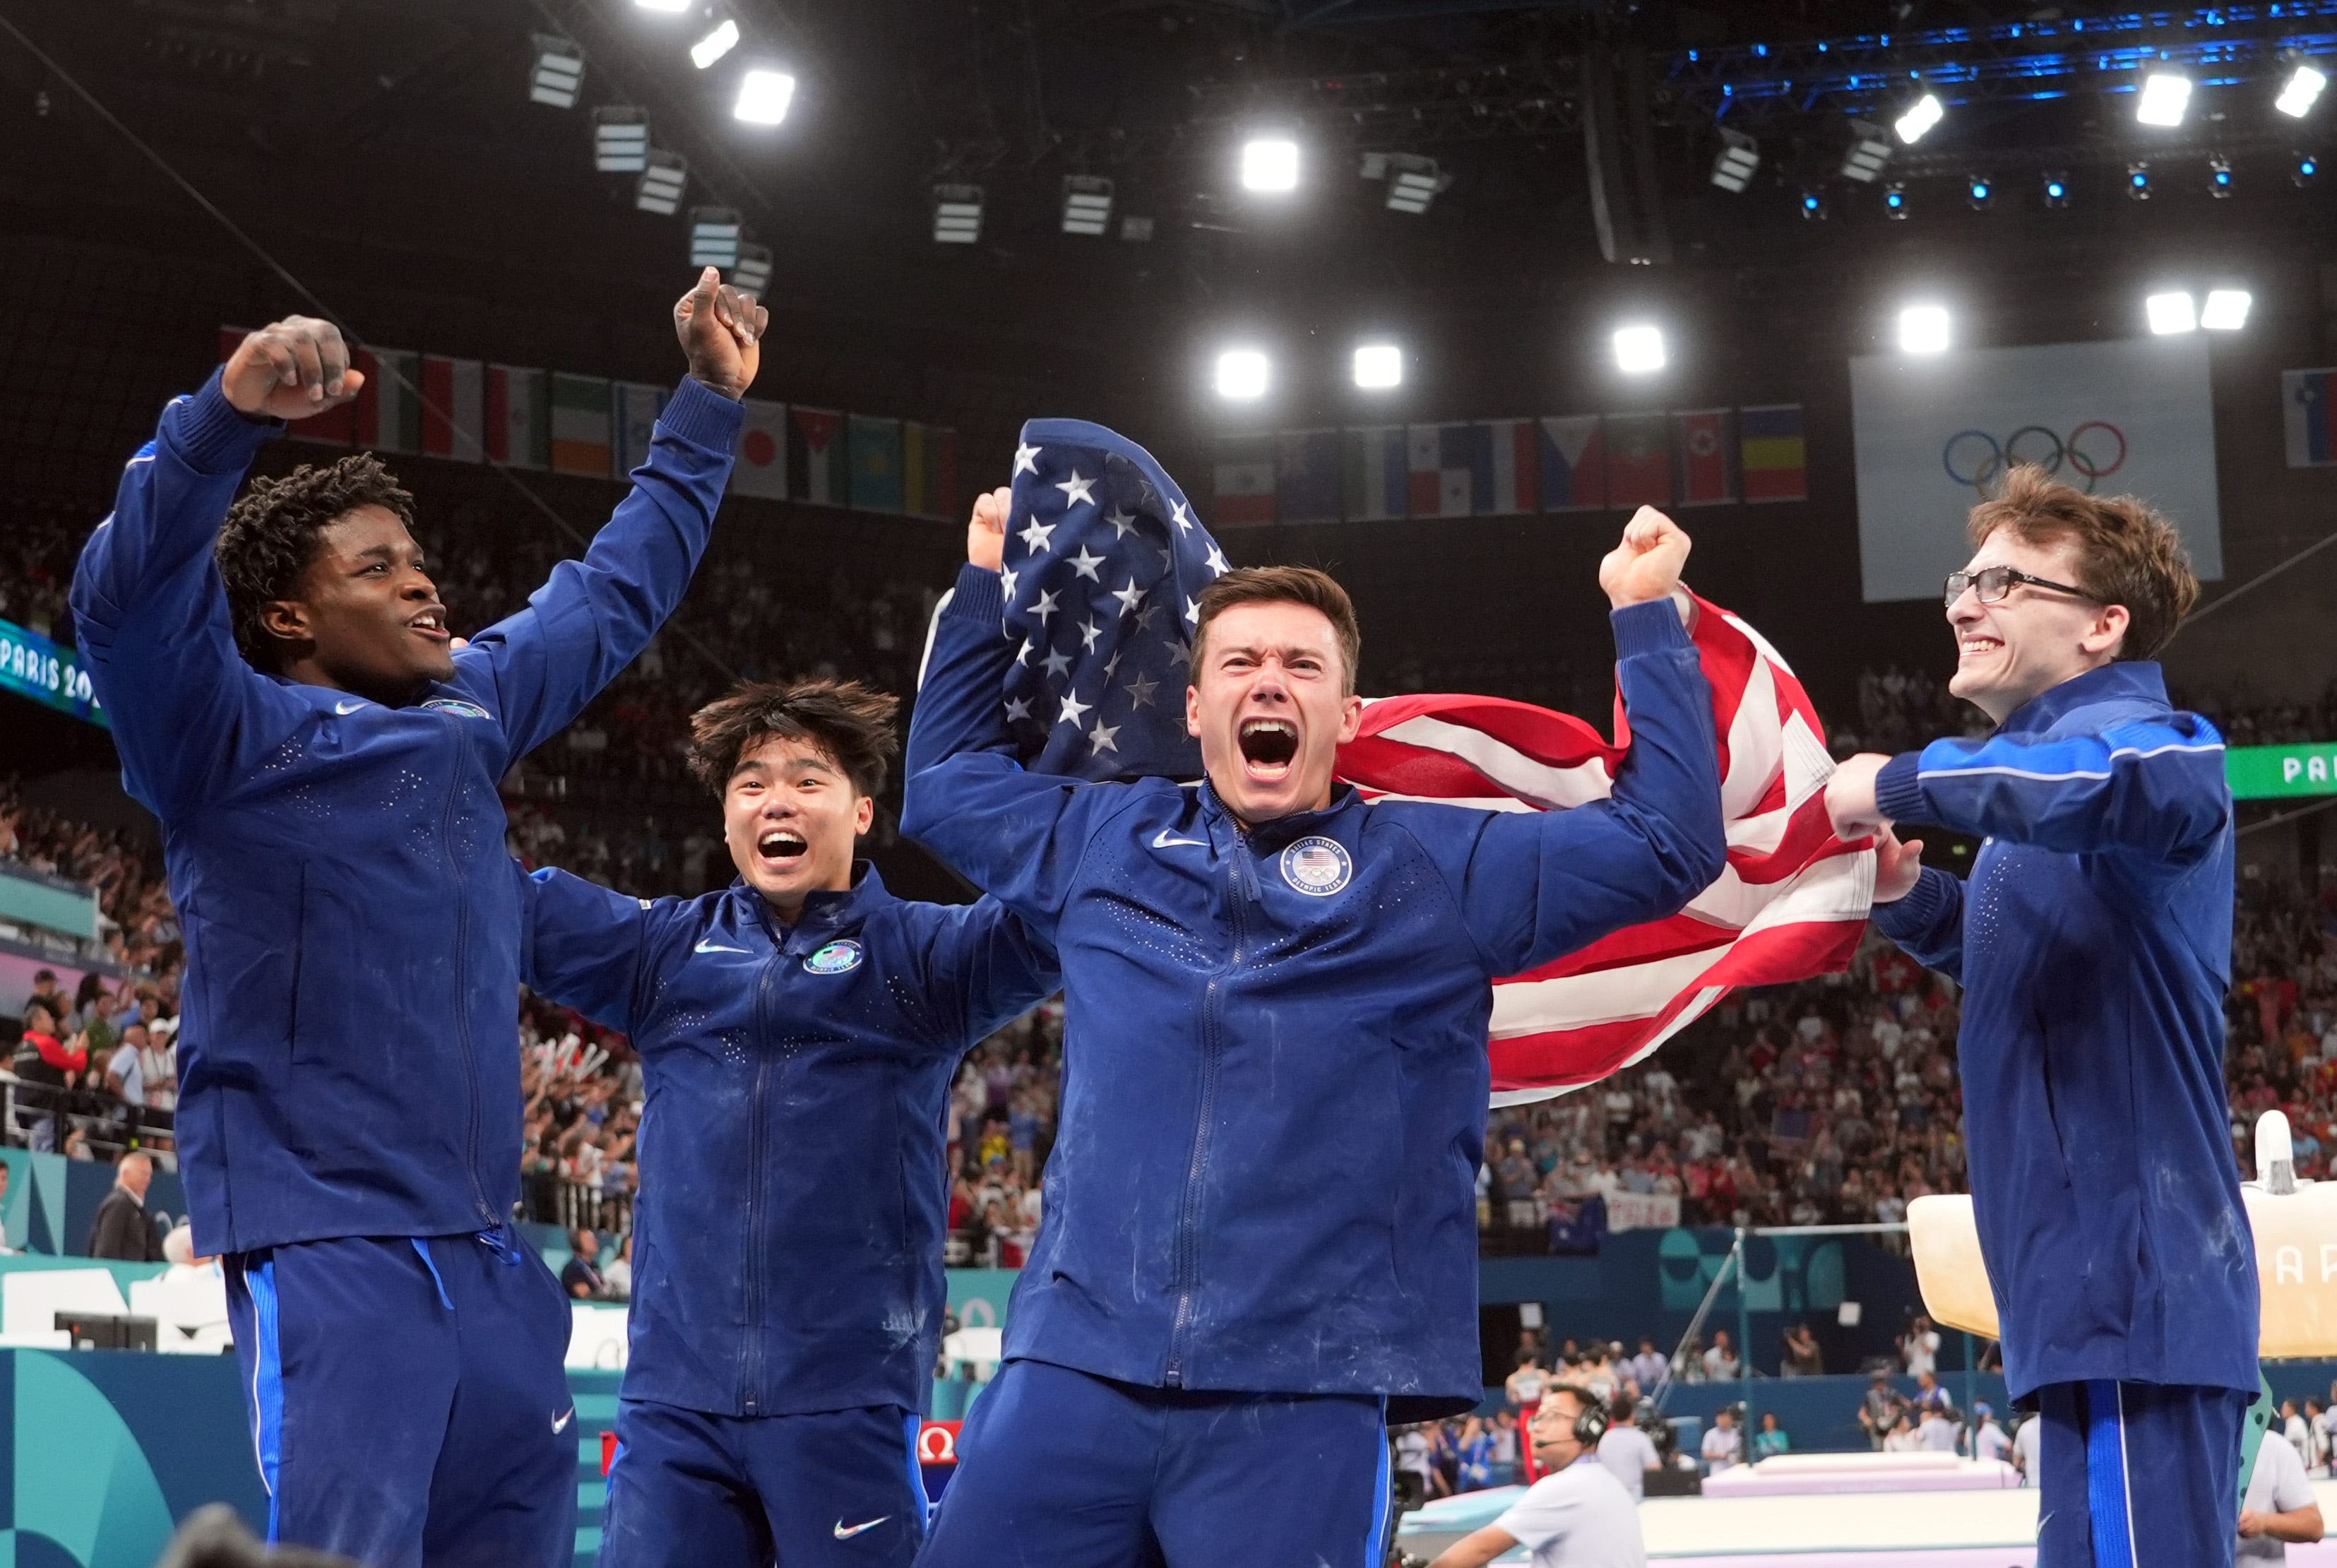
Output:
x=349 y=1060
x=795 y=1185
x=2094 y=942
x=1275 y=1081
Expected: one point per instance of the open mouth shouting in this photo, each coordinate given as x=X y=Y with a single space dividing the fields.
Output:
x=1269 y=749
x=431 y=626
x=781 y=848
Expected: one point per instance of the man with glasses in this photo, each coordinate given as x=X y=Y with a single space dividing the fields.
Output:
x=2093 y=939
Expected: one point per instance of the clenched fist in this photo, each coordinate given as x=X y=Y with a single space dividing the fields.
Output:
x=1646 y=564
x=721 y=330
x=290 y=370
x=985 y=530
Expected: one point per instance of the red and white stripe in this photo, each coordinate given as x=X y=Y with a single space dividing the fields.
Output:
x=1791 y=904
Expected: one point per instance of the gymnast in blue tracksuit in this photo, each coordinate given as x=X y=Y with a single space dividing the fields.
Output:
x=799 y=1034
x=287 y=697
x=1259 y=1242
x=2093 y=940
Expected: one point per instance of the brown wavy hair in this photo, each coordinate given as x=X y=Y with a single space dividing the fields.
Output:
x=2127 y=554
x=1283 y=585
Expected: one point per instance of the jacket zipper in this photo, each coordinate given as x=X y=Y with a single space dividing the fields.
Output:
x=1189 y=1262
x=751 y=1369
x=463 y=969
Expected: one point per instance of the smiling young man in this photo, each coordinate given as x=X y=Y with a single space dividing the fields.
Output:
x=798 y=1036
x=287 y=699
x=1259 y=1241
x=2093 y=941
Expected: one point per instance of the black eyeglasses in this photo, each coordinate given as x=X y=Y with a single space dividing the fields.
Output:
x=1989 y=584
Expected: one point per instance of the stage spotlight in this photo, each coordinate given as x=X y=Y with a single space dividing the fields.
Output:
x=2165 y=94
x=1413 y=182
x=2171 y=312
x=1979 y=191
x=621 y=140
x=1870 y=150
x=659 y=190
x=753 y=272
x=764 y=96
x=957 y=214
x=2056 y=191
x=2302 y=90
x=1894 y=201
x=713 y=237
x=1813 y=204
x=670 y=5
x=1378 y=366
x=1639 y=349
x=2137 y=181
x=1733 y=165
x=715 y=44
x=1269 y=163
x=2219 y=176
x=1921 y=116
x=1087 y=204
x=2227 y=309
x=1242 y=373
x=1923 y=329
x=558 y=71
x=2303 y=170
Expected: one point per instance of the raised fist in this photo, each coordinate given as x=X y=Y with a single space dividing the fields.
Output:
x=985 y=530
x=721 y=330
x=290 y=370
x=1646 y=564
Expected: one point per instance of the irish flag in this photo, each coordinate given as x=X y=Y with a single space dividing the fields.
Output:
x=580 y=424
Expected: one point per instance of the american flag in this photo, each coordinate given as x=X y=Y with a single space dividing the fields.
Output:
x=1105 y=559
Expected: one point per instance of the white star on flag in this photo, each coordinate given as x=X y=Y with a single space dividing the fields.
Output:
x=1057 y=662
x=1112 y=665
x=1026 y=459
x=1139 y=692
x=1035 y=538
x=1085 y=564
x=1020 y=708
x=1184 y=523
x=1147 y=616
x=1072 y=709
x=1045 y=607
x=1023 y=655
x=1192 y=612
x=1088 y=635
x=1129 y=597
x=1123 y=523
x=1006 y=584
x=1104 y=737
x=1076 y=490
x=1217 y=563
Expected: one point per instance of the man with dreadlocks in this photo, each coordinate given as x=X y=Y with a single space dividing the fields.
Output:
x=288 y=699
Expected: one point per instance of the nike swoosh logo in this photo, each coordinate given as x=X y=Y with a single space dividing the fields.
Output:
x=343 y=709
x=847 y=1531
x=714 y=948
x=560 y=1424
x=1165 y=840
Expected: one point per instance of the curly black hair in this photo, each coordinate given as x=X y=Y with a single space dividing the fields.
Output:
x=849 y=721
x=270 y=535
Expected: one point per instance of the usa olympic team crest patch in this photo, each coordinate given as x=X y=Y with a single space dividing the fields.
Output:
x=837 y=958
x=1317 y=867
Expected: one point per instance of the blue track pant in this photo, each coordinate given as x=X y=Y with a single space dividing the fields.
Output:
x=408 y=1403
x=2138 y=1475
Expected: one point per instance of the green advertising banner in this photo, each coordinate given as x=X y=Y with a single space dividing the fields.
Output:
x=2272 y=772
x=33 y=666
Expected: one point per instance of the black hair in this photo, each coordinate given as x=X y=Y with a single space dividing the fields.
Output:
x=270 y=536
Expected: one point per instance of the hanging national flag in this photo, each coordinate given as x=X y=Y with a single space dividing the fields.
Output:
x=815 y=461
x=1573 y=465
x=1775 y=464
x=1375 y=475
x=581 y=437
x=2308 y=401
x=929 y=470
x=1452 y=469
x=1791 y=904
x=1104 y=560
x=518 y=417
x=389 y=405
x=1245 y=476
x=875 y=450
x=633 y=410
x=454 y=407
x=761 y=468
x=1707 y=457
x=1307 y=475
x=1639 y=461
x=1516 y=451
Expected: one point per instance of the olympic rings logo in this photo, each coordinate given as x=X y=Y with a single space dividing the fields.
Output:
x=2094 y=450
